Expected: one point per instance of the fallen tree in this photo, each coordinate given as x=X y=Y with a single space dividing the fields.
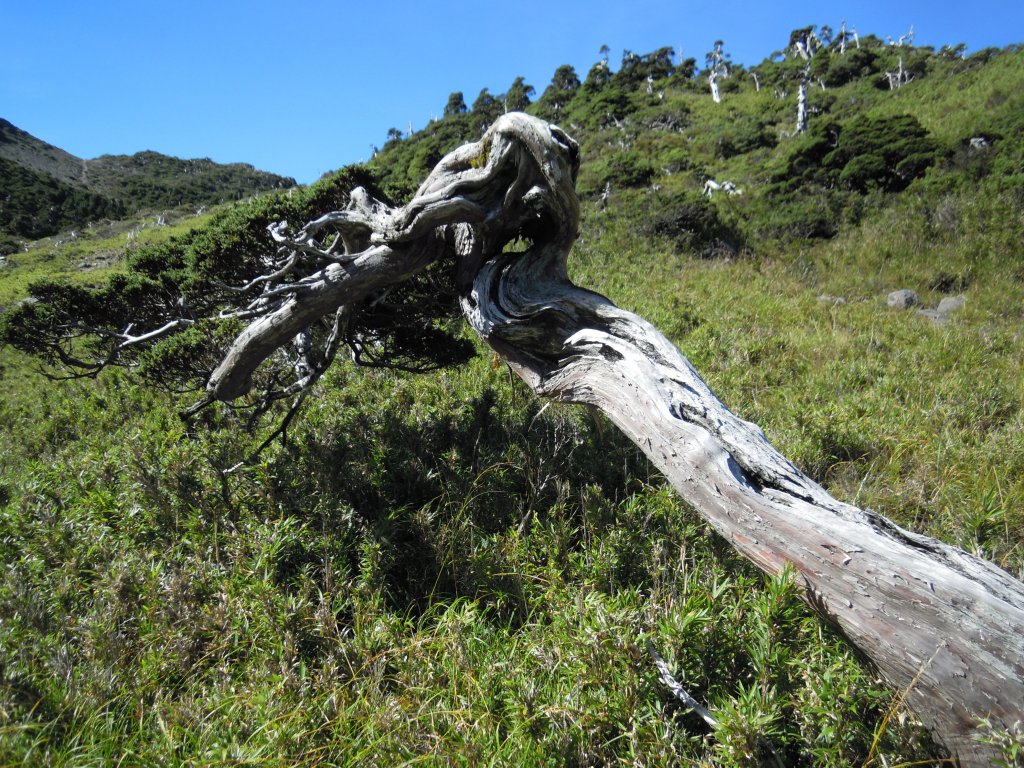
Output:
x=940 y=624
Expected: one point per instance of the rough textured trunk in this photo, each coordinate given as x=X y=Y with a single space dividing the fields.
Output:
x=801 y=107
x=936 y=621
x=715 y=93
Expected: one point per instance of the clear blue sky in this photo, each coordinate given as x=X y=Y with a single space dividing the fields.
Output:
x=301 y=88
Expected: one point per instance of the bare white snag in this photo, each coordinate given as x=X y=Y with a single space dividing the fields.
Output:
x=907 y=39
x=718 y=69
x=806 y=45
x=801 y=106
x=711 y=186
x=899 y=78
x=716 y=95
x=938 y=621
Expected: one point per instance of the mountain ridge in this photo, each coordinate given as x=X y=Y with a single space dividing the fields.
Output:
x=21 y=147
x=44 y=189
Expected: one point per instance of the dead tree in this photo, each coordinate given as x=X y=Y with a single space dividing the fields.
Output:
x=935 y=620
x=801 y=101
x=718 y=68
x=907 y=39
x=805 y=44
x=844 y=36
x=939 y=623
x=899 y=78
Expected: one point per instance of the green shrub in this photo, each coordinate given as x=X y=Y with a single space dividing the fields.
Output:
x=856 y=64
x=866 y=153
x=627 y=169
x=883 y=152
x=691 y=223
x=742 y=135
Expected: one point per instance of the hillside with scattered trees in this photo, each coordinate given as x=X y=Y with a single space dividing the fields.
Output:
x=45 y=190
x=387 y=550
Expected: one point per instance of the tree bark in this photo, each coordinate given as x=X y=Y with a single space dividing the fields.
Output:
x=938 y=622
x=716 y=94
x=801 y=105
x=941 y=624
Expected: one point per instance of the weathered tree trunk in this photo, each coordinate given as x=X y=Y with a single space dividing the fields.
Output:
x=801 y=106
x=716 y=95
x=718 y=68
x=806 y=45
x=938 y=622
x=934 y=619
x=899 y=78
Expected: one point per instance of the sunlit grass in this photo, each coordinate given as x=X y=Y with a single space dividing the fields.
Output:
x=89 y=255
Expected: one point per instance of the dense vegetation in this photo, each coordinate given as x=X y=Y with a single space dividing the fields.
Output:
x=151 y=181
x=44 y=190
x=35 y=205
x=436 y=568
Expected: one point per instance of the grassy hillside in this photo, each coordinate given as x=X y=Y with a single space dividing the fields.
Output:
x=86 y=256
x=437 y=569
x=45 y=190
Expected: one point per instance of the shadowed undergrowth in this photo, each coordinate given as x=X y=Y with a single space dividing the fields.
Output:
x=458 y=575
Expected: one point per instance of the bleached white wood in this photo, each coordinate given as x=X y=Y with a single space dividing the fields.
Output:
x=939 y=621
x=718 y=68
x=801 y=106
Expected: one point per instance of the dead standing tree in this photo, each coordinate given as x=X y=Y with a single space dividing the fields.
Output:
x=718 y=69
x=939 y=623
x=804 y=43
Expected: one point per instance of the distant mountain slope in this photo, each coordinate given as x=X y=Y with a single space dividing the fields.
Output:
x=44 y=189
x=35 y=204
x=26 y=150
x=152 y=180
x=880 y=120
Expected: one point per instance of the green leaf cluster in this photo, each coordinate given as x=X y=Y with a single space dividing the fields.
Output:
x=866 y=153
x=195 y=276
